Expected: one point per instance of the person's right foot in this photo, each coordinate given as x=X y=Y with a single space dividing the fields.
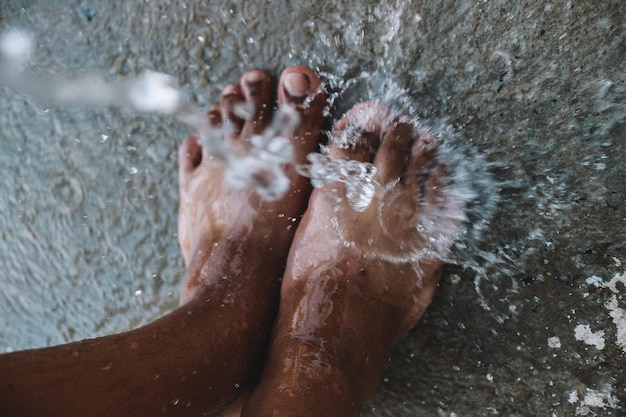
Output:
x=356 y=282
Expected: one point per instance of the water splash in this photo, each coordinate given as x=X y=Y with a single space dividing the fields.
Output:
x=262 y=166
x=469 y=199
x=150 y=92
x=416 y=226
x=358 y=177
x=472 y=174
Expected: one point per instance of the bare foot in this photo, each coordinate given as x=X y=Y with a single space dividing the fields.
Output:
x=217 y=221
x=356 y=282
x=203 y=354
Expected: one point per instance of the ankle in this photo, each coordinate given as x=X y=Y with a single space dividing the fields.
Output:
x=302 y=380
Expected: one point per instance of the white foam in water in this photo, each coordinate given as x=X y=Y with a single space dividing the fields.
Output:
x=584 y=333
x=602 y=398
x=617 y=314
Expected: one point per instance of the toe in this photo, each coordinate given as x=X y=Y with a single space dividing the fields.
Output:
x=256 y=87
x=230 y=100
x=214 y=116
x=438 y=178
x=189 y=158
x=357 y=135
x=300 y=89
x=392 y=156
x=423 y=157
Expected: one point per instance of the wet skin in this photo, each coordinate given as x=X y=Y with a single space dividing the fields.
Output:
x=356 y=282
x=204 y=354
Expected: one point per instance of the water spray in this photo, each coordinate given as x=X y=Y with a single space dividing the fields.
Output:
x=262 y=168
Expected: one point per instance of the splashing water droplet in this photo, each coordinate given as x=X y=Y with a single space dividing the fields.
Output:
x=358 y=177
x=261 y=167
x=266 y=177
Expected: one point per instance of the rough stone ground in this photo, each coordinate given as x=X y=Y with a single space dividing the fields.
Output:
x=535 y=327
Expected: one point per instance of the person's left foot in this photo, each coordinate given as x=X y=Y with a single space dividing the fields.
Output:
x=235 y=243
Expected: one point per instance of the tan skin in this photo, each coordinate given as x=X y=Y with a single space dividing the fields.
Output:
x=203 y=355
x=345 y=302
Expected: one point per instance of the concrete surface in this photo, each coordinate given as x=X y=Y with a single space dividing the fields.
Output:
x=532 y=322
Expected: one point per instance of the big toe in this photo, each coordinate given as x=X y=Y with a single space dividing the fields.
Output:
x=357 y=135
x=394 y=152
x=301 y=99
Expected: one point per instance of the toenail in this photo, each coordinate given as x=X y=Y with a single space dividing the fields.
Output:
x=254 y=76
x=255 y=86
x=296 y=84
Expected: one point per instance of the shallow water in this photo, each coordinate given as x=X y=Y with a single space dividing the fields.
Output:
x=88 y=196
